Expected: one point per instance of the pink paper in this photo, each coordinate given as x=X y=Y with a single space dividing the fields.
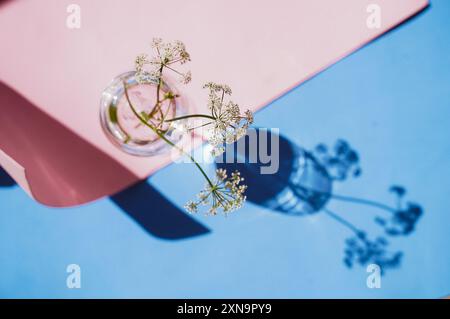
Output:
x=55 y=74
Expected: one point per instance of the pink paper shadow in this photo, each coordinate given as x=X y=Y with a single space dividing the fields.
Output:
x=61 y=168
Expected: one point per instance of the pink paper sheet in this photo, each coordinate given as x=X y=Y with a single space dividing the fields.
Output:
x=53 y=76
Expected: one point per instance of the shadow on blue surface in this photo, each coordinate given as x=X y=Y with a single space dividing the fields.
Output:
x=303 y=186
x=5 y=179
x=161 y=218
x=157 y=215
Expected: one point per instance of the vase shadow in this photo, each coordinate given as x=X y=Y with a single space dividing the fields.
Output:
x=5 y=179
x=288 y=190
x=149 y=209
x=156 y=214
x=303 y=185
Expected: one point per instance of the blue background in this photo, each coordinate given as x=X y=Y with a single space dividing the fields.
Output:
x=390 y=100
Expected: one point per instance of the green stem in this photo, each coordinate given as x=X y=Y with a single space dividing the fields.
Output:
x=165 y=139
x=159 y=83
x=158 y=89
x=191 y=115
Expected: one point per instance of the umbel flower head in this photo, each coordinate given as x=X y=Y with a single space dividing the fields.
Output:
x=167 y=54
x=225 y=193
x=228 y=124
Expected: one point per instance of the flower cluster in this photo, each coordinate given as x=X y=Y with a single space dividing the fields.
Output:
x=340 y=161
x=225 y=192
x=227 y=124
x=402 y=220
x=167 y=54
x=361 y=250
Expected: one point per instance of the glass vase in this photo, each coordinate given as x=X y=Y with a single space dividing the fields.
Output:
x=125 y=130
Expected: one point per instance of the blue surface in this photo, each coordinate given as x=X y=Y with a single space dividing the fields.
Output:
x=390 y=101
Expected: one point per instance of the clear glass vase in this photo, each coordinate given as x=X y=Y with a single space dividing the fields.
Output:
x=125 y=130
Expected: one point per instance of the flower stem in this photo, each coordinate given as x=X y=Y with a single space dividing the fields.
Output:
x=191 y=115
x=342 y=221
x=364 y=202
x=355 y=200
x=165 y=139
x=158 y=89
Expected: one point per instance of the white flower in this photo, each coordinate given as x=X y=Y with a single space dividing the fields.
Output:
x=191 y=206
x=230 y=138
x=225 y=193
x=186 y=78
x=216 y=151
x=227 y=124
x=214 y=87
x=240 y=132
x=167 y=54
x=213 y=136
x=249 y=116
x=156 y=42
x=140 y=61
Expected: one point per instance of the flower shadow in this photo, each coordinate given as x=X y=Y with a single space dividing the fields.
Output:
x=303 y=185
